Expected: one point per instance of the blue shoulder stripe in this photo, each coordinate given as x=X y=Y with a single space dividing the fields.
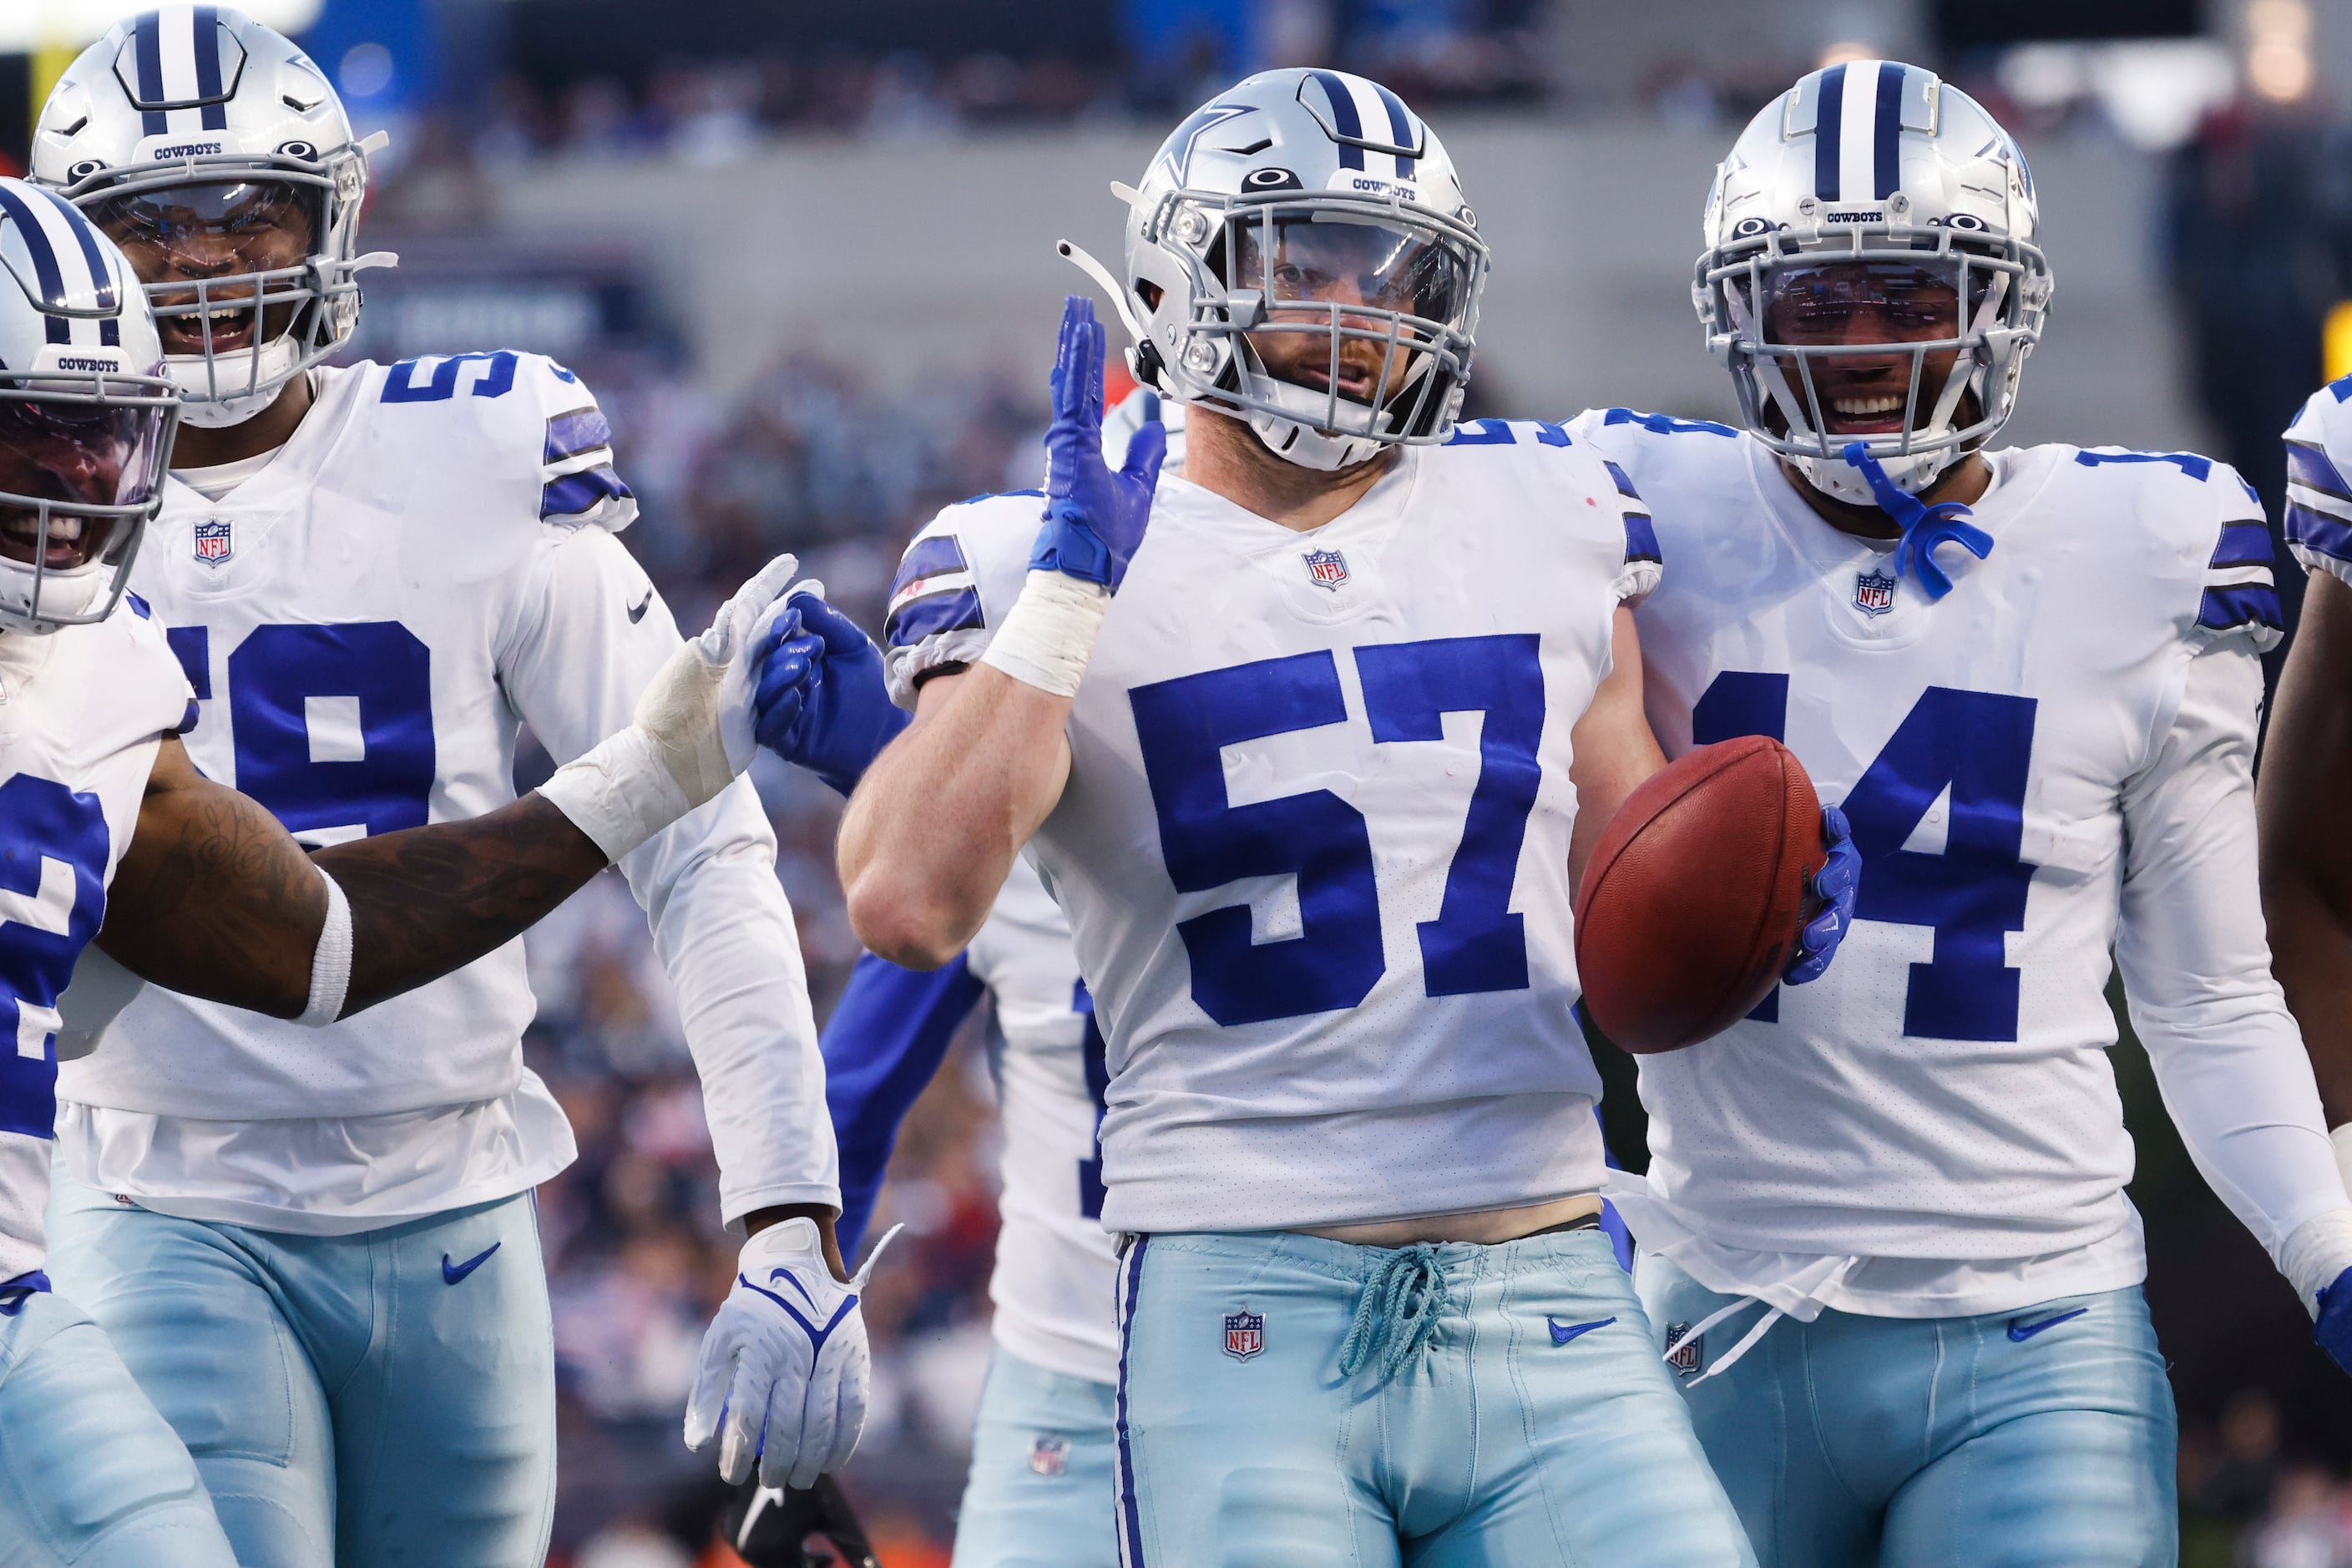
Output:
x=1641 y=538
x=2223 y=608
x=933 y=615
x=2308 y=463
x=1624 y=483
x=1483 y=432
x=1664 y=424
x=580 y=430
x=2244 y=544
x=2317 y=531
x=576 y=493
x=929 y=557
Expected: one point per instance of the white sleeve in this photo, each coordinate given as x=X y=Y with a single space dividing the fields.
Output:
x=2318 y=497
x=958 y=580
x=573 y=661
x=2196 y=963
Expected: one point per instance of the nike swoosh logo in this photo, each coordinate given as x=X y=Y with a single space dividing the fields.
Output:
x=451 y=1273
x=2021 y=1332
x=1563 y=1332
x=637 y=611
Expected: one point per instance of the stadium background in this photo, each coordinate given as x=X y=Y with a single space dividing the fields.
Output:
x=805 y=254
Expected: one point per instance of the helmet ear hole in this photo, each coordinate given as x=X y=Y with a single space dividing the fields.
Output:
x=1151 y=293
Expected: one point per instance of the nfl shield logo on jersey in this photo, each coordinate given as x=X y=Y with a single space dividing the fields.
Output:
x=1685 y=1351
x=1874 y=595
x=1327 y=569
x=212 y=543
x=1050 y=1454
x=1244 y=1335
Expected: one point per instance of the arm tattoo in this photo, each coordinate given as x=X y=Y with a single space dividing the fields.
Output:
x=427 y=900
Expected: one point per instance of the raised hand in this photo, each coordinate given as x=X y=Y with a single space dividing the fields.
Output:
x=819 y=698
x=1834 y=884
x=1095 y=517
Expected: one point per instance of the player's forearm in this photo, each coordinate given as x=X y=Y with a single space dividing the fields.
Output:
x=932 y=830
x=428 y=900
x=1612 y=748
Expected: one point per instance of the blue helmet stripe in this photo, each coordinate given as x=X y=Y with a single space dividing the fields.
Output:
x=1400 y=127
x=1829 y=126
x=147 y=43
x=1886 y=129
x=101 y=278
x=45 y=270
x=1344 y=115
x=205 y=37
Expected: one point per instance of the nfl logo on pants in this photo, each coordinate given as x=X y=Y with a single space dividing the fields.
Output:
x=1244 y=1335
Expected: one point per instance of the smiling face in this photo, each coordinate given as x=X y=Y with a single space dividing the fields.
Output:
x=1303 y=267
x=74 y=454
x=217 y=232
x=1856 y=306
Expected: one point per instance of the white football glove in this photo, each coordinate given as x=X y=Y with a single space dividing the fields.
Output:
x=691 y=734
x=784 y=1365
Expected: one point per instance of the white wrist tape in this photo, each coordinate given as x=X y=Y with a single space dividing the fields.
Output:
x=1049 y=634
x=619 y=794
x=2319 y=1250
x=330 y=962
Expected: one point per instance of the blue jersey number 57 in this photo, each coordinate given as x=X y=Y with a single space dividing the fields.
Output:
x=1475 y=943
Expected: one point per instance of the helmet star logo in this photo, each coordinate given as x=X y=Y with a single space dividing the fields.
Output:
x=1206 y=118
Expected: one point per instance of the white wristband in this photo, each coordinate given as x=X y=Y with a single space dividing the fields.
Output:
x=619 y=794
x=1049 y=634
x=2319 y=1250
x=330 y=962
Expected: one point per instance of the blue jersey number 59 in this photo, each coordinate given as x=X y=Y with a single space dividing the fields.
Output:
x=1475 y=943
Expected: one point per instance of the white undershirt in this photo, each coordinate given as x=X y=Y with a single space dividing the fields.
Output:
x=214 y=482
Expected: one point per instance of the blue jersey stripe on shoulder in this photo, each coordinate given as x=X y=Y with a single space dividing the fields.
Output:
x=932 y=614
x=1665 y=423
x=2341 y=387
x=2189 y=463
x=2223 y=608
x=2244 y=544
x=1624 y=482
x=138 y=606
x=2330 y=536
x=575 y=493
x=1483 y=432
x=2308 y=463
x=581 y=430
x=929 y=557
x=1641 y=538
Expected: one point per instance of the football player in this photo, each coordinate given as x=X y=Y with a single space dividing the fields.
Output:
x=1307 y=760
x=374 y=576
x=1885 y=1237
x=109 y=834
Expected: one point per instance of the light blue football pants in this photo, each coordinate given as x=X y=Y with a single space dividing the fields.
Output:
x=90 y=1475
x=366 y=1401
x=2042 y=1438
x=1041 y=1490
x=1506 y=1407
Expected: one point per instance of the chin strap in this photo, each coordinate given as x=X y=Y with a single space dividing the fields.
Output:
x=1924 y=527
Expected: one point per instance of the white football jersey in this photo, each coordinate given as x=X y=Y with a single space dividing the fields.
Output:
x=428 y=562
x=1055 y=1263
x=2319 y=496
x=2013 y=763
x=81 y=713
x=1314 y=844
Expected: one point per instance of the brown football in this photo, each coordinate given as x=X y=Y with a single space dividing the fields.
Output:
x=1694 y=896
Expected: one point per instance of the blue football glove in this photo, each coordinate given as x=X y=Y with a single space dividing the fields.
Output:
x=2334 y=1329
x=1094 y=517
x=820 y=700
x=1834 y=885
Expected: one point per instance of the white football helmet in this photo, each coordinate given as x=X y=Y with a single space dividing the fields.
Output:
x=207 y=144
x=1872 y=183
x=1300 y=256
x=87 y=414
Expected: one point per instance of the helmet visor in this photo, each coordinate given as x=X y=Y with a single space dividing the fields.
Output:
x=71 y=469
x=209 y=250
x=1855 y=303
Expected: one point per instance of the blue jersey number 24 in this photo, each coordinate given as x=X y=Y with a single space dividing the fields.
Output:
x=1475 y=943
x=1975 y=745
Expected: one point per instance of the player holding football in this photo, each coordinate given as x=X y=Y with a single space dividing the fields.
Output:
x=1323 y=911
x=374 y=575
x=104 y=823
x=1885 y=1240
